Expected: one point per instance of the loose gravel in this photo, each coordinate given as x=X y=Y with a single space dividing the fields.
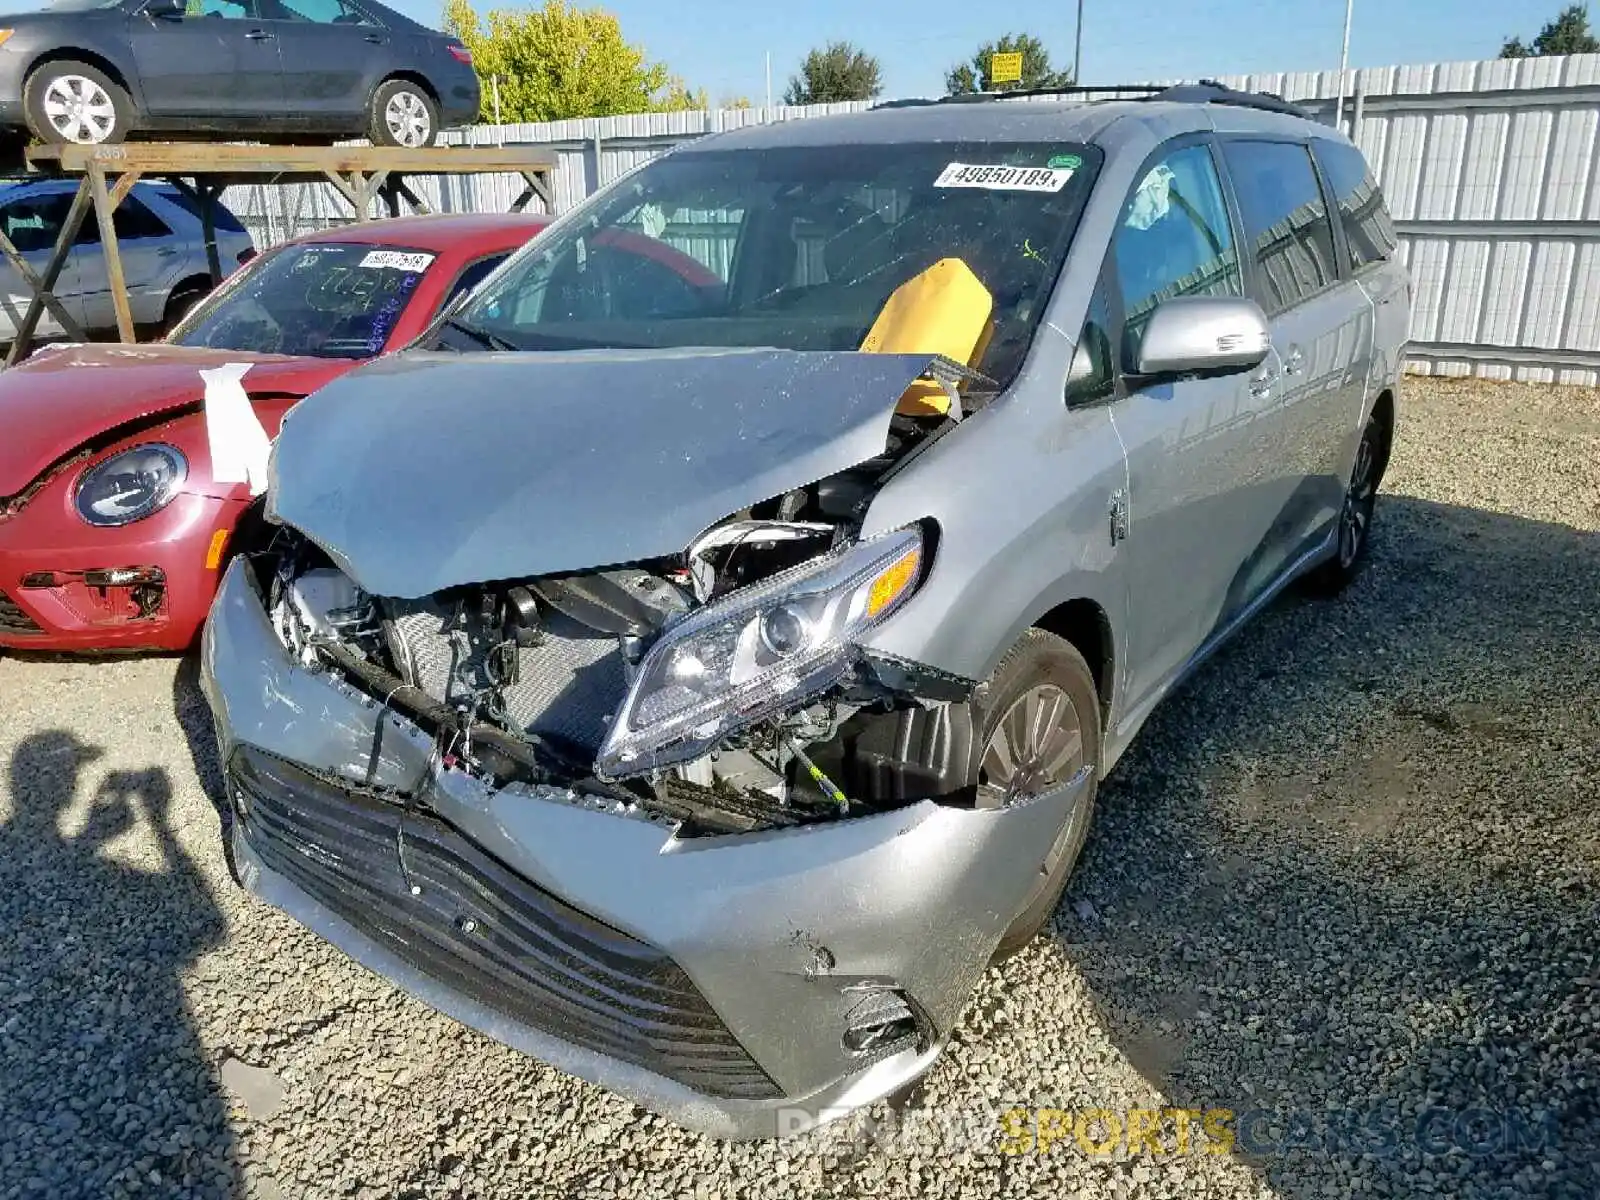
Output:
x=1345 y=883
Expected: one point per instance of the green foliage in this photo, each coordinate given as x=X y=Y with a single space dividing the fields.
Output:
x=973 y=75
x=835 y=72
x=562 y=61
x=1567 y=34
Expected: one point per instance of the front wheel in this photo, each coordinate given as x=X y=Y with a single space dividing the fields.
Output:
x=402 y=114
x=72 y=102
x=1040 y=722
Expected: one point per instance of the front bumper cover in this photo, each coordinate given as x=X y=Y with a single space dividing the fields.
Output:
x=779 y=931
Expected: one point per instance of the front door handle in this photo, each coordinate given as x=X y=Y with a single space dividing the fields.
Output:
x=377 y=39
x=260 y=35
x=1261 y=385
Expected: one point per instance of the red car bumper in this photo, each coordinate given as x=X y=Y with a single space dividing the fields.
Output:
x=66 y=585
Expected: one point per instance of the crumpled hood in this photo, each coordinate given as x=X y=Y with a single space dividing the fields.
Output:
x=428 y=470
x=53 y=403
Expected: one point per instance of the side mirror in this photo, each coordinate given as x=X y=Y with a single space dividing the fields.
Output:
x=166 y=10
x=1204 y=335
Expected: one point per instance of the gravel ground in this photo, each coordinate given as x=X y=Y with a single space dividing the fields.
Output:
x=1346 y=883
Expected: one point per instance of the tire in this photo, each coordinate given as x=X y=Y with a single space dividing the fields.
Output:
x=1040 y=669
x=184 y=297
x=402 y=114
x=1356 y=514
x=66 y=102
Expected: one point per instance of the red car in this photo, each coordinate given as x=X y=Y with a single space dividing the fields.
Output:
x=113 y=527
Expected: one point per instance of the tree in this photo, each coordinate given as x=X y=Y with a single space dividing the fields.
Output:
x=973 y=75
x=1567 y=34
x=837 y=71
x=562 y=61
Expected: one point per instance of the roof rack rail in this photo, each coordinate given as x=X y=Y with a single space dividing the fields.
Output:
x=1210 y=91
x=1206 y=91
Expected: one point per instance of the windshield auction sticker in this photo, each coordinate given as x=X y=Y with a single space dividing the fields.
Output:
x=397 y=260
x=1003 y=178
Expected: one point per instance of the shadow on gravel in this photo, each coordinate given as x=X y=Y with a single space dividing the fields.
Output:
x=1345 y=883
x=104 y=1088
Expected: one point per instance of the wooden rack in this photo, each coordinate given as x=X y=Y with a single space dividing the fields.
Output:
x=202 y=170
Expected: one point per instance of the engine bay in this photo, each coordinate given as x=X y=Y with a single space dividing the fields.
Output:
x=521 y=680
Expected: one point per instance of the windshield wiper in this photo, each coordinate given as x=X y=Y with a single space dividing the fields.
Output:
x=489 y=341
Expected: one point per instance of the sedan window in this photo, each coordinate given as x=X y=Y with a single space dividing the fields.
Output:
x=231 y=10
x=321 y=12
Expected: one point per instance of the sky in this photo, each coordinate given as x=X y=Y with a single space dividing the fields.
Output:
x=720 y=45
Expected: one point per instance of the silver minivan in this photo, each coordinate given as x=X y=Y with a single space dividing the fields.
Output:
x=694 y=661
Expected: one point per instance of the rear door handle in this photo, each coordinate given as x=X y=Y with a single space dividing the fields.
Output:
x=260 y=35
x=377 y=39
x=1294 y=362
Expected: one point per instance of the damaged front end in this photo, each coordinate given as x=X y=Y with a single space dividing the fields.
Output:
x=663 y=824
x=722 y=688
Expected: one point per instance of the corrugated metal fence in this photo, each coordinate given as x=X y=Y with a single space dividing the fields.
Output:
x=1492 y=170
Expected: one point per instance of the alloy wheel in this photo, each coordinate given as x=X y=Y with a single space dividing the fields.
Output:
x=1036 y=745
x=1359 y=499
x=79 y=109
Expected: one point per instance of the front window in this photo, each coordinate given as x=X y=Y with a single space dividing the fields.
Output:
x=325 y=300
x=797 y=248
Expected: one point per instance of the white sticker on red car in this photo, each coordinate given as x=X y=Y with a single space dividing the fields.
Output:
x=237 y=440
x=999 y=177
x=397 y=260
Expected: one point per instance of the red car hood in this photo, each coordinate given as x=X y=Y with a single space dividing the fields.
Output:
x=55 y=402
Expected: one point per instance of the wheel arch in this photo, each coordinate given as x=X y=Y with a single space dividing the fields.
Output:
x=92 y=58
x=1086 y=626
x=410 y=76
x=1383 y=411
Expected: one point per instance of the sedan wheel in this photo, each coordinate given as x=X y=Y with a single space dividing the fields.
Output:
x=403 y=115
x=69 y=102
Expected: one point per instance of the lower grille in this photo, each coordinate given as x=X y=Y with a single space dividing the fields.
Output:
x=477 y=927
x=13 y=619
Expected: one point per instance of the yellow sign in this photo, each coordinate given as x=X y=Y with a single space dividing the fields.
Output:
x=1005 y=68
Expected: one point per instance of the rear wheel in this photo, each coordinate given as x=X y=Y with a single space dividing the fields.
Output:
x=402 y=114
x=74 y=102
x=1040 y=726
x=184 y=297
x=1355 y=515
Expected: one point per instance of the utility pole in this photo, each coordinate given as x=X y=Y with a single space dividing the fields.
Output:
x=1344 y=65
x=769 y=78
x=1077 y=49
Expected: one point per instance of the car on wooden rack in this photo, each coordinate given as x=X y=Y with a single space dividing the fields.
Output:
x=97 y=71
x=115 y=518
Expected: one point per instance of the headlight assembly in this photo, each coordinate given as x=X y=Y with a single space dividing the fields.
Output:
x=130 y=486
x=758 y=651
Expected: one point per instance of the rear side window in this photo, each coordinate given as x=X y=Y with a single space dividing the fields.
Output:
x=475 y=274
x=1174 y=239
x=1285 y=220
x=1368 y=229
x=224 y=220
x=132 y=220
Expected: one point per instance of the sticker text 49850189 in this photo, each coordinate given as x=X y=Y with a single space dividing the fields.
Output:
x=1003 y=178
